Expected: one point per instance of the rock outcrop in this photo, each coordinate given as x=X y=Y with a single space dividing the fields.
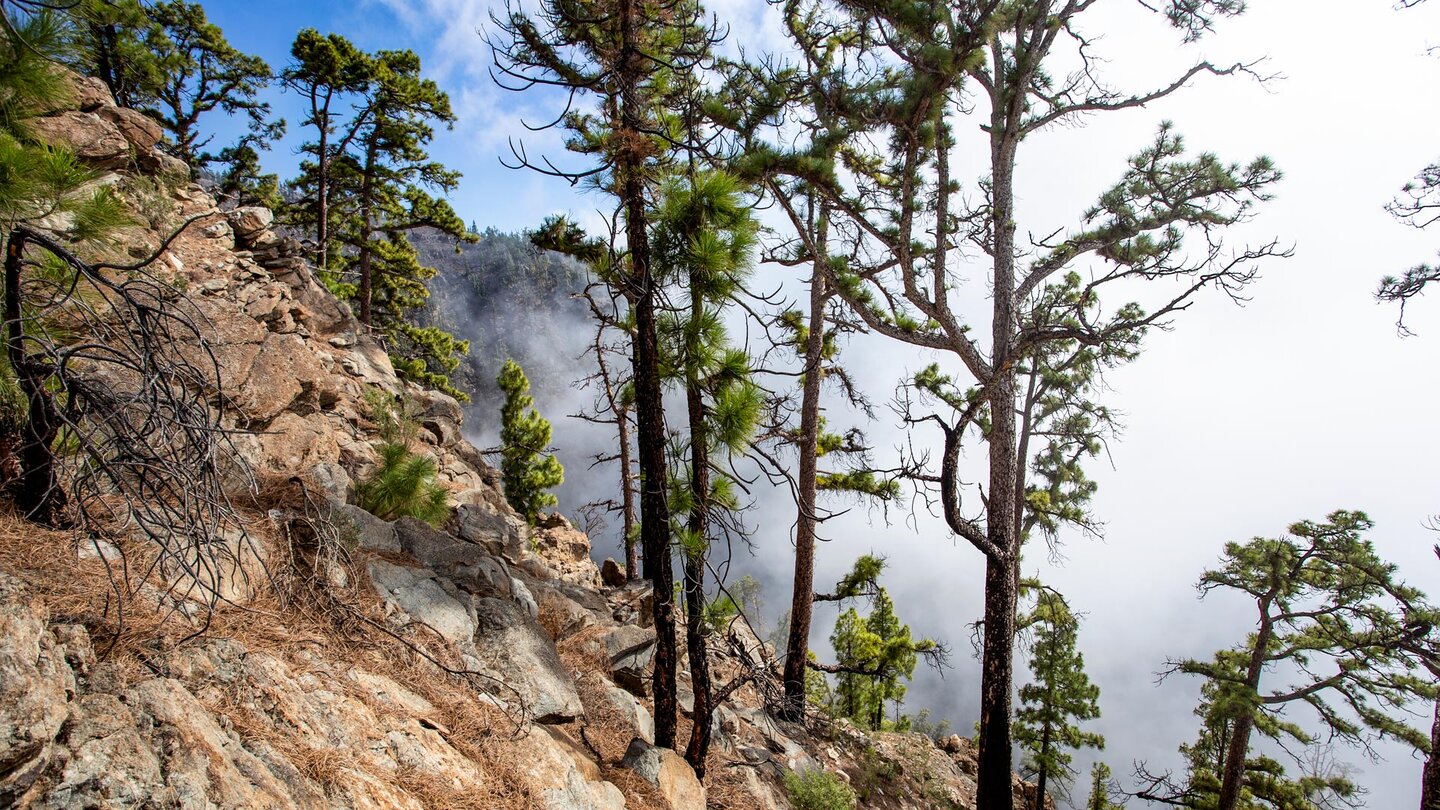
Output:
x=483 y=664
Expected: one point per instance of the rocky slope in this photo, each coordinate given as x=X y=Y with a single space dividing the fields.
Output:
x=358 y=663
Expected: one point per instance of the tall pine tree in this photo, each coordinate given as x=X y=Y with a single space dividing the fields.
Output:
x=1060 y=697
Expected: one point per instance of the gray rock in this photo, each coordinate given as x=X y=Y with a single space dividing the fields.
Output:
x=667 y=771
x=633 y=712
x=423 y=599
x=511 y=647
x=522 y=596
x=34 y=682
x=435 y=549
x=632 y=651
x=612 y=574
x=331 y=479
x=498 y=533
x=371 y=532
x=250 y=219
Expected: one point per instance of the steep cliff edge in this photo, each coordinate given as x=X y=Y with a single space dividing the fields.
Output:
x=355 y=662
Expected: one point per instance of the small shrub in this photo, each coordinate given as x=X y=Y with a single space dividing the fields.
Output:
x=403 y=486
x=818 y=790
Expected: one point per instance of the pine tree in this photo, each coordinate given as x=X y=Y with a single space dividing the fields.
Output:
x=111 y=42
x=1060 y=697
x=872 y=653
x=370 y=186
x=1352 y=636
x=1099 y=798
x=906 y=217
x=704 y=236
x=622 y=56
x=327 y=72
x=38 y=183
x=198 y=72
x=525 y=468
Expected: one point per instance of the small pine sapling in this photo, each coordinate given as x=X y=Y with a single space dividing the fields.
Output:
x=527 y=471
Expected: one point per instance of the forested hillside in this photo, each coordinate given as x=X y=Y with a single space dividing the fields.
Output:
x=511 y=300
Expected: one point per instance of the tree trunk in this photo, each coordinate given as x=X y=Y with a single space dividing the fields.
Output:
x=698 y=527
x=321 y=115
x=1233 y=774
x=1002 y=568
x=367 y=193
x=627 y=496
x=649 y=406
x=993 y=779
x=1430 y=777
x=37 y=495
x=802 y=599
x=1044 y=770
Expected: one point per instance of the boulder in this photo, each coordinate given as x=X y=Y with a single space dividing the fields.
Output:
x=498 y=532
x=564 y=775
x=633 y=604
x=370 y=532
x=92 y=138
x=283 y=370
x=631 y=651
x=139 y=130
x=667 y=771
x=511 y=647
x=562 y=615
x=292 y=443
x=434 y=549
x=632 y=711
x=612 y=574
x=423 y=599
x=90 y=93
x=566 y=550
x=331 y=480
x=250 y=220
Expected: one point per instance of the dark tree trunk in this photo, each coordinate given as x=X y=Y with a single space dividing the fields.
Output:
x=699 y=528
x=1233 y=774
x=321 y=113
x=995 y=772
x=797 y=645
x=649 y=406
x=1002 y=565
x=627 y=496
x=1430 y=777
x=37 y=493
x=1044 y=771
x=367 y=254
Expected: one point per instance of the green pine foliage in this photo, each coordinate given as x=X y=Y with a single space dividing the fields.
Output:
x=403 y=485
x=368 y=184
x=873 y=654
x=1099 y=798
x=1350 y=634
x=38 y=182
x=817 y=789
x=199 y=72
x=1058 y=699
x=527 y=471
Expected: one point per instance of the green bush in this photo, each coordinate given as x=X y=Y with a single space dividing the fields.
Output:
x=404 y=483
x=403 y=486
x=818 y=790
